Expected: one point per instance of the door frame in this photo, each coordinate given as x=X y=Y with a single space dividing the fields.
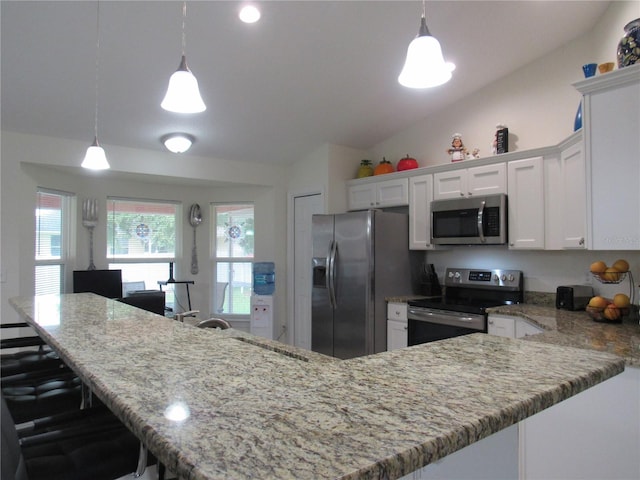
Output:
x=291 y=198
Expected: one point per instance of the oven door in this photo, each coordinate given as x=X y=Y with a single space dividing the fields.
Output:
x=430 y=324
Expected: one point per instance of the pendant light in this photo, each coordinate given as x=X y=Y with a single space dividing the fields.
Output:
x=183 y=95
x=425 y=66
x=95 y=158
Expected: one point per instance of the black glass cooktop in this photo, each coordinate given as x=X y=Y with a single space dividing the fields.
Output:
x=468 y=303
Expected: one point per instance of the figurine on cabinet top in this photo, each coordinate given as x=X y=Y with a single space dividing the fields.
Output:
x=458 y=151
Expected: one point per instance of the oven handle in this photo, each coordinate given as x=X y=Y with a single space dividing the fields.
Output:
x=437 y=316
x=480 y=222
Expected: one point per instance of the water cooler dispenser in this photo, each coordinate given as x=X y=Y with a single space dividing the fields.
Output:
x=262 y=299
x=262 y=315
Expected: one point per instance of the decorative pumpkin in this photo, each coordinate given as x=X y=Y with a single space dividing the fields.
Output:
x=407 y=163
x=383 y=167
x=365 y=170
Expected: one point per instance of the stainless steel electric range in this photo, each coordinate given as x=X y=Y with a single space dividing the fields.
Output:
x=461 y=310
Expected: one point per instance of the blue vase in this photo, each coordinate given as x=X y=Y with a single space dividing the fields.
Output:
x=577 y=123
x=628 y=52
x=589 y=70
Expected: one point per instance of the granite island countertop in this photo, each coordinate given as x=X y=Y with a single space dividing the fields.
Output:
x=260 y=409
x=577 y=329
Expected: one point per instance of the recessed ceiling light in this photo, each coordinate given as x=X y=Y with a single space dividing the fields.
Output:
x=249 y=14
x=178 y=142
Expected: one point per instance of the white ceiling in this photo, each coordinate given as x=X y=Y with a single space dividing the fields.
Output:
x=310 y=72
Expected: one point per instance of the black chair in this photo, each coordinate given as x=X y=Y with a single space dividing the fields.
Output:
x=107 y=283
x=214 y=323
x=88 y=445
x=150 y=300
x=36 y=394
x=35 y=382
x=35 y=354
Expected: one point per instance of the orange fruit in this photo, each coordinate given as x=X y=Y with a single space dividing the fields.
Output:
x=598 y=302
x=611 y=312
x=621 y=265
x=621 y=300
x=598 y=267
x=611 y=274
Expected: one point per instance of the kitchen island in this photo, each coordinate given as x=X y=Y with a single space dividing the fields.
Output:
x=259 y=409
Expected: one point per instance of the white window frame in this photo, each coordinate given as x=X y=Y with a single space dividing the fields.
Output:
x=67 y=230
x=215 y=259
x=114 y=260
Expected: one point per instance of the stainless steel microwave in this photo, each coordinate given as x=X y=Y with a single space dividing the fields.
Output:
x=480 y=220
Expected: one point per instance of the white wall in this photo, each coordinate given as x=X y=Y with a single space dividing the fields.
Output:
x=543 y=271
x=537 y=102
x=26 y=161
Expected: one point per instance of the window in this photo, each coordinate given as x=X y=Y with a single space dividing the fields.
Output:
x=233 y=258
x=142 y=241
x=52 y=240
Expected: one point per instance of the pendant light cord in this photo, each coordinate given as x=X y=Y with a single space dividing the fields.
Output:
x=95 y=123
x=184 y=35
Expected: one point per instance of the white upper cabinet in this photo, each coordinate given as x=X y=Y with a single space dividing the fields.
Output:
x=566 y=198
x=526 y=203
x=611 y=118
x=483 y=180
x=384 y=193
x=420 y=197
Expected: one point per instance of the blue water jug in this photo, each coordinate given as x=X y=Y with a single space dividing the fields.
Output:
x=264 y=278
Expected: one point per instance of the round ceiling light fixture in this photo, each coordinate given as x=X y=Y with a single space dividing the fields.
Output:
x=249 y=14
x=178 y=142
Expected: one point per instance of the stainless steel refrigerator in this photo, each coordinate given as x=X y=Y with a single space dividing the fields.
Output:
x=359 y=259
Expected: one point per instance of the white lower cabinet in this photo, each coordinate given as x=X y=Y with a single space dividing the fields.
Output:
x=594 y=435
x=396 y=325
x=591 y=436
x=494 y=457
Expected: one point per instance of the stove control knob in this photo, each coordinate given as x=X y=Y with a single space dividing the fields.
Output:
x=450 y=274
x=511 y=278
x=503 y=277
x=457 y=275
x=496 y=278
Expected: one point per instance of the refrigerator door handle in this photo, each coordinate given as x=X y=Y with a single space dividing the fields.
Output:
x=331 y=274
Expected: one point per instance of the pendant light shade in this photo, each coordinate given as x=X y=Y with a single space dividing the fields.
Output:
x=183 y=95
x=95 y=158
x=425 y=66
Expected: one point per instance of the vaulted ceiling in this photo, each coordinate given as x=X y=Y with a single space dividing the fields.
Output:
x=308 y=73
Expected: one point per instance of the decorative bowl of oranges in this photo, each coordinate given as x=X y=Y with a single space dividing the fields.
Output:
x=613 y=274
x=613 y=310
